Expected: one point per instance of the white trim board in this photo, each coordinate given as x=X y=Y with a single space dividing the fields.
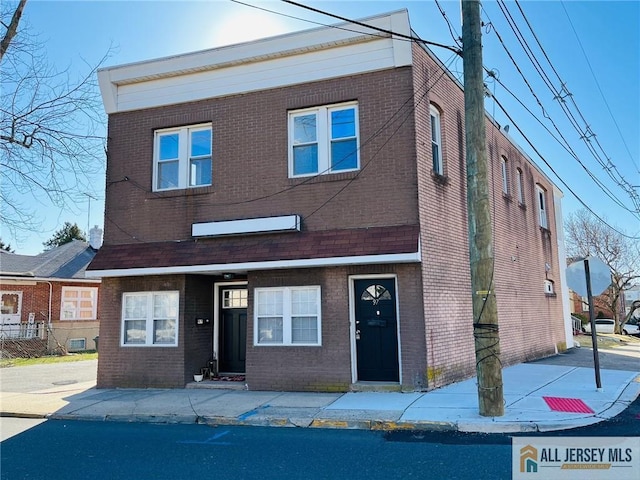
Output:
x=212 y=269
x=283 y=223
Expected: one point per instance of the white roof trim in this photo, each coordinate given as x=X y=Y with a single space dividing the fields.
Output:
x=124 y=87
x=413 y=257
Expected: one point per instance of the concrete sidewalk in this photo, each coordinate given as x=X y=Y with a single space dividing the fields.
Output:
x=535 y=396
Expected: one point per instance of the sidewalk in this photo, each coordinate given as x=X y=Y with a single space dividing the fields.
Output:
x=538 y=397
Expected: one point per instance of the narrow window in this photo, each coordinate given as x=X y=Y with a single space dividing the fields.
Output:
x=542 y=206
x=520 y=186
x=505 y=175
x=436 y=141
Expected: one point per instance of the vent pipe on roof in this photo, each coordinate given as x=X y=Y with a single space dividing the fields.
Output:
x=95 y=237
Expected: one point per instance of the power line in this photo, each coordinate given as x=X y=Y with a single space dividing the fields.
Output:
x=556 y=173
x=607 y=166
x=455 y=50
x=597 y=84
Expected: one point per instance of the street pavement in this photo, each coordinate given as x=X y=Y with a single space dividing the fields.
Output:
x=550 y=394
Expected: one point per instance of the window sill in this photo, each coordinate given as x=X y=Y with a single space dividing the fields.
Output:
x=181 y=192
x=329 y=177
x=507 y=197
x=522 y=205
x=439 y=179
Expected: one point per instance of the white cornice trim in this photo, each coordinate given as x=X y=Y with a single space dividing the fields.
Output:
x=212 y=269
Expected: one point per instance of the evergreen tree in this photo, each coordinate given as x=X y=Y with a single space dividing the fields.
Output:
x=66 y=234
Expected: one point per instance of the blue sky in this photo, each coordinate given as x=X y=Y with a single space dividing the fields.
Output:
x=609 y=98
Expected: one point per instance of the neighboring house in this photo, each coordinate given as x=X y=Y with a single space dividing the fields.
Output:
x=580 y=305
x=294 y=209
x=48 y=296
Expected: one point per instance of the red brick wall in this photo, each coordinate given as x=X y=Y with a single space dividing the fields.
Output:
x=531 y=323
x=35 y=298
x=328 y=367
x=250 y=161
x=141 y=367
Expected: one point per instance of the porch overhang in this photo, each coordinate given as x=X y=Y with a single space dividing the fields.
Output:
x=215 y=256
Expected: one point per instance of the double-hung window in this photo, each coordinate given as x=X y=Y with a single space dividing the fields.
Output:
x=324 y=140
x=504 y=167
x=542 y=206
x=436 y=141
x=150 y=318
x=182 y=158
x=520 y=185
x=79 y=303
x=287 y=316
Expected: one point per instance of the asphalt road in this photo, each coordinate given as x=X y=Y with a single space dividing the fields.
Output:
x=618 y=358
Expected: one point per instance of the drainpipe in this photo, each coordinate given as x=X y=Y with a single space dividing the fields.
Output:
x=50 y=303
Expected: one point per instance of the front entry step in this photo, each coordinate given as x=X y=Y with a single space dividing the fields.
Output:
x=376 y=387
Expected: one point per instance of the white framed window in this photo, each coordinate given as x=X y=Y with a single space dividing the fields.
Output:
x=11 y=303
x=436 y=141
x=541 y=194
x=548 y=287
x=324 y=140
x=77 y=344
x=520 y=186
x=182 y=158
x=150 y=319
x=288 y=316
x=79 y=303
x=234 y=298
x=504 y=167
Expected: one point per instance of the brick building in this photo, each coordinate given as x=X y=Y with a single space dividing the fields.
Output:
x=47 y=296
x=294 y=210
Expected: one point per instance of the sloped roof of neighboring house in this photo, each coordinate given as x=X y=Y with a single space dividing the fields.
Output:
x=253 y=251
x=66 y=261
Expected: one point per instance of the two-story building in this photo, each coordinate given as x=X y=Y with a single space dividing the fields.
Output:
x=294 y=209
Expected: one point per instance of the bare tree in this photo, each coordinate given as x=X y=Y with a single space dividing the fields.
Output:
x=587 y=236
x=51 y=127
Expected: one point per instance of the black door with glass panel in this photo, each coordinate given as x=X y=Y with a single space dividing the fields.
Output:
x=376 y=330
x=232 y=347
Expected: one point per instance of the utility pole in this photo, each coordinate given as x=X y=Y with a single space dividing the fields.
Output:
x=485 y=311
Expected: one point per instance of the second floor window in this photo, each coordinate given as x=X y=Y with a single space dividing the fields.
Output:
x=436 y=141
x=520 y=186
x=505 y=175
x=542 y=206
x=182 y=158
x=323 y=140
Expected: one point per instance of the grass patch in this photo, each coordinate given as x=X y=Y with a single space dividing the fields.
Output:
x=608 y=340
x=72 y=357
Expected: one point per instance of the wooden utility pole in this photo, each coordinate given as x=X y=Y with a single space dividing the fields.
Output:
x=485 y=311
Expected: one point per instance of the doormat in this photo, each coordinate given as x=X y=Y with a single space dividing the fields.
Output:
x=229 y=378
x=571 y=405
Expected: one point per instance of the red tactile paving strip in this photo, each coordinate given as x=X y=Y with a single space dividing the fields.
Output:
x=571 y=405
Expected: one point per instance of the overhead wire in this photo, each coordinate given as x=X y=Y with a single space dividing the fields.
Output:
x=561 y=95
x=584 y=53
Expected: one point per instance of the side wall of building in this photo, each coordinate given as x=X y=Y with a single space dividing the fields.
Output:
x=531 y=321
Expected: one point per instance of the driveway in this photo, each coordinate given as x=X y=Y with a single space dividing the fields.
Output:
x=49 y=376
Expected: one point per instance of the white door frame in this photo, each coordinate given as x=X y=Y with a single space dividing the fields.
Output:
x=217 y=287
x=352 y=321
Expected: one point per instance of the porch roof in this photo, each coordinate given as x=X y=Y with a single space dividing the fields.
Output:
x=396 y=244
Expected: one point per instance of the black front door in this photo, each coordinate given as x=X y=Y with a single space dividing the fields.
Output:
x=376 y=330
x=233 y=330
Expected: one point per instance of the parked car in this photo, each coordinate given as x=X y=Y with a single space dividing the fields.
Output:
x=630 y=329
x=603 y=325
